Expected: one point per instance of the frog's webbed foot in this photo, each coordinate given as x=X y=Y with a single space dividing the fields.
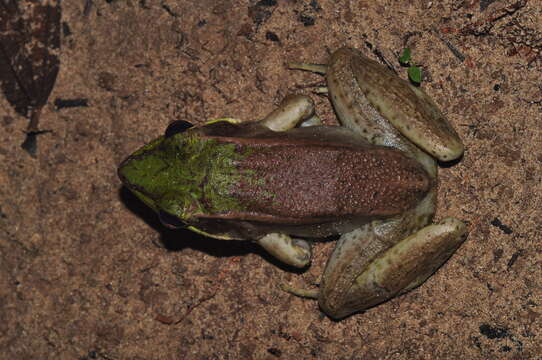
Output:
x=294 y=252
x=294 y=110
x=365 y=270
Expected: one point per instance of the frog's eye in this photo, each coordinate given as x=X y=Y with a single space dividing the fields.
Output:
x=176 y=127
x=170 y=221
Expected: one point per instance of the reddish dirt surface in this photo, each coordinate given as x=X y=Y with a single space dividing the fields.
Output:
x=87 y=272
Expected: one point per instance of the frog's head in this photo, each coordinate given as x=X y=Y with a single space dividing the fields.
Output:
x=182 y=174
x=154 y=174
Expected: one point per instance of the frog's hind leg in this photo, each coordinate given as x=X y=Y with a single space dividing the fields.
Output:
x=294 y=252
x=382 y=260
x=292 y=111
x=409 y=263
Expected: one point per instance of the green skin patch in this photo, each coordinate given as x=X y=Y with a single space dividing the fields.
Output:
x=186 y=175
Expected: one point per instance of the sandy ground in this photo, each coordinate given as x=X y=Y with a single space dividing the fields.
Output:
x=87 y=272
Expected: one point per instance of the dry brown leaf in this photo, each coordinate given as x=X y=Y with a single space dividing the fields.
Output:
x=29 y=57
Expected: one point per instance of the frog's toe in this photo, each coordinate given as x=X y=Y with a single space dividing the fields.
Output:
x=305 y=293
x=316 y=68
x=294 y=252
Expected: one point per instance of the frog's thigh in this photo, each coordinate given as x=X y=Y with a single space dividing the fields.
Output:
x=294 y=252
x=397 y=270
x=293 y=110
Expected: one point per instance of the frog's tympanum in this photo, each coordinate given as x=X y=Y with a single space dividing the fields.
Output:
x=286 y=179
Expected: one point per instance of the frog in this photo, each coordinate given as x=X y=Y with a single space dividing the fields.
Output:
x=287 y=180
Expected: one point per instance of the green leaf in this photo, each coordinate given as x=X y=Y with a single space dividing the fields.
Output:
x=415 y=74
x=405 y=58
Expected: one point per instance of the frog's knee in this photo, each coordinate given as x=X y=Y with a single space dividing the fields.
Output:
x=411 y=261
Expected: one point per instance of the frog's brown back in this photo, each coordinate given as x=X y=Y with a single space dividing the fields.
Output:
x=321 y=174
x=316 y=182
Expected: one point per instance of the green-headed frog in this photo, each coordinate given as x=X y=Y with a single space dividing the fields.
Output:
x=286 y=179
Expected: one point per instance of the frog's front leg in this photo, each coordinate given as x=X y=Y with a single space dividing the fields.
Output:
x=294 y=252
x=384 y=259
x=294 y=110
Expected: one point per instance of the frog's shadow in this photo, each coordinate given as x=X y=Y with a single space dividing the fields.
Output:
x=180 y=239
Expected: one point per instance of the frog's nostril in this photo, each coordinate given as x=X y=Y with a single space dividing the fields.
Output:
x=177 y=127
